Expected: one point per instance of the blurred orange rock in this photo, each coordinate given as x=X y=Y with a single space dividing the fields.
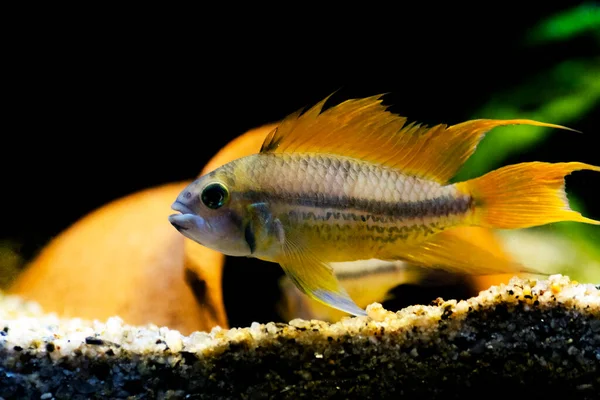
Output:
x=126 y=259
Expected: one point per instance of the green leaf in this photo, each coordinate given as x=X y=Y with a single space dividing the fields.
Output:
x=567 y=24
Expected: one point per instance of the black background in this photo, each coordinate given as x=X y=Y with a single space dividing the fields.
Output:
x=101 y=107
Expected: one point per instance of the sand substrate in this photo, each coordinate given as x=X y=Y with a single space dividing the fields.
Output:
x=524 y=339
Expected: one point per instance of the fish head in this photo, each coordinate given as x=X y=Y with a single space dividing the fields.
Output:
x=211 y=215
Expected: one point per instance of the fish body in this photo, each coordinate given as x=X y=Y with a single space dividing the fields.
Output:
x=355 y=182
x=346 y=209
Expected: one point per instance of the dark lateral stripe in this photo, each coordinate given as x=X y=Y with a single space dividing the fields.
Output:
x=438 y=207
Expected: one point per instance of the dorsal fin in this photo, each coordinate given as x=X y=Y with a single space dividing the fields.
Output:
x=364 y=129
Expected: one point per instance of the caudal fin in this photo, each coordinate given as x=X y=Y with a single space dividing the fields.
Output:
x=524 y=195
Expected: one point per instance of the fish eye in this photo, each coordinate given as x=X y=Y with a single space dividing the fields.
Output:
x=215 y=195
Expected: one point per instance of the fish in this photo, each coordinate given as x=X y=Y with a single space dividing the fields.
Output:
x=357 y=182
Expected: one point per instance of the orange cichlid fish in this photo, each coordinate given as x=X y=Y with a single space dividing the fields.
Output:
x=356 y=182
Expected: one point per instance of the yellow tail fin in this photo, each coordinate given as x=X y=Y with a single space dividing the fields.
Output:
x=524 y=195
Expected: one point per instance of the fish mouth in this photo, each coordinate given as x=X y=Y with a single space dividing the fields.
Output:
x=182 y=208
x=173 y=219
x=176 y=219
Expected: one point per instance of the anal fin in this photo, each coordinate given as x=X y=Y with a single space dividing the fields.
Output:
x=464 y=250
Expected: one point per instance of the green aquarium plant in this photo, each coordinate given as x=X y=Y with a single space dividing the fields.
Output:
x=565 y=93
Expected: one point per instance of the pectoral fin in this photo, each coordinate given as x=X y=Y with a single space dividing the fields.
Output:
x=315 y=278
x=457 y=250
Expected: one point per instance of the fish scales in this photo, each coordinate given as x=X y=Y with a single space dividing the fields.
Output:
x=350 y=205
